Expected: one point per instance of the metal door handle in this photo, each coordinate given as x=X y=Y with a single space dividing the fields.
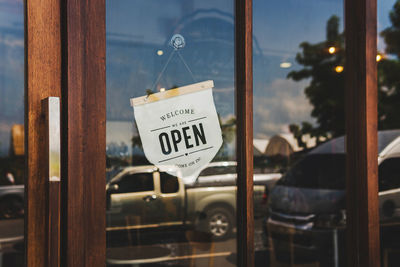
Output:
x=51 y=110
x=150 y=198
x=52 y=154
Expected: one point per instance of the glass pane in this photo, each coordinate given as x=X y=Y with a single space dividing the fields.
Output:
x=12 y=163
x=131 y=183
x=178 y=210
x=389 y=129
x=169 y=183
x=299 y=121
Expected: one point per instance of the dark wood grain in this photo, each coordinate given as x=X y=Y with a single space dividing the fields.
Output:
x=244 y=145
x=84 y=115
x=53 y=252
x=361 y=129
x=42 y=79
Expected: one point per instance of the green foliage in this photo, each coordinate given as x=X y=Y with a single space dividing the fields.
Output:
x=388 y=75
x=389 y=94
x=298 y=132
x=228 y=136
x=326 y=89
x=391 y=35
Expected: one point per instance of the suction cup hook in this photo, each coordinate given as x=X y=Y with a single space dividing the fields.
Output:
x=177 y=42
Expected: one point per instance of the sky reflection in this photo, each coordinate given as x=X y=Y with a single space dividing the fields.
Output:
x=137 y=30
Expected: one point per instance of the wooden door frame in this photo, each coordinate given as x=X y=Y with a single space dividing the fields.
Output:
x=84 y=135
x=244 y=129
x=42 y=79
x=363 y=244
x=65 y=57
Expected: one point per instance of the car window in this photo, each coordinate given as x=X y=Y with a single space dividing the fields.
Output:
x=169 y=183
x=317 y=171
x=389 y=174
x=137 y=182
x=218 y=170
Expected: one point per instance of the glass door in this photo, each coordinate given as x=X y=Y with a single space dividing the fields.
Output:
x=12 y=153
x=150 y=156
x=171 y=158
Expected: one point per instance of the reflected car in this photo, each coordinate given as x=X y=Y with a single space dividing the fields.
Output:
x=223 y=173
x=144 y=197
x=11 y=201
x=307 y=218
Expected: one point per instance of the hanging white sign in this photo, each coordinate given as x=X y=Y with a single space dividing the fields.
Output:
x=179 y=127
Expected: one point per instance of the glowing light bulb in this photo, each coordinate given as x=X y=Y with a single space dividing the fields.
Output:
x=160 y=52
x=332 y=50
x=339 y=69
x=285 y=65
x=378 y=58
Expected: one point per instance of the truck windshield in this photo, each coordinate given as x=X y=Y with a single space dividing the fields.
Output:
x=319 y=171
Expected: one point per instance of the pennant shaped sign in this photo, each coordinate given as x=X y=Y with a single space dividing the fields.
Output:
x=179 y=127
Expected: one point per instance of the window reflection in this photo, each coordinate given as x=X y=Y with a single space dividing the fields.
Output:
x=299 y=113
x=306 y=216
x=177 y=221
x=169 y=183
x=388 y=110
x=132 y=183
x=12 y=162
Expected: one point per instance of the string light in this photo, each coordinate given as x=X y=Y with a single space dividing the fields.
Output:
x=285 y=65
x=339 y=69
x=332 y=50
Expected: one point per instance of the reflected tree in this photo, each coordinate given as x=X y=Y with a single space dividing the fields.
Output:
x=388 y=74
x=323 y=64
x=228 y=129
x=299 y=131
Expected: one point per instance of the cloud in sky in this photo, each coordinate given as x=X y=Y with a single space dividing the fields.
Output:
x=285 y=104
x=12 y=42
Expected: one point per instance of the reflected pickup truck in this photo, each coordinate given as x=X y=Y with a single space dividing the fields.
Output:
x=149 y=197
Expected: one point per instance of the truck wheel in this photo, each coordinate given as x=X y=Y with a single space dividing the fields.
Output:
x=219 y=223
x=11 y=208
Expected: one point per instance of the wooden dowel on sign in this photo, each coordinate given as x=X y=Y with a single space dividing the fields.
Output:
x=172 y=93
x=363 y=248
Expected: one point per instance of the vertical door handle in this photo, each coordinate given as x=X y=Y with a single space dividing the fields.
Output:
x=51 y=111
